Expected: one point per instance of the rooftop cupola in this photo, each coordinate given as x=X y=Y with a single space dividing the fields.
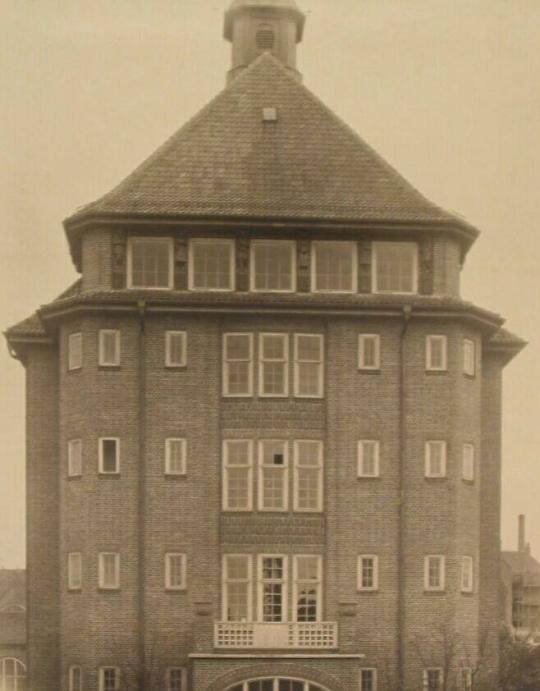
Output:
x=257 y=26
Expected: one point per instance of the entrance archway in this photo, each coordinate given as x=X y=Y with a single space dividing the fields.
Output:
x=276 y=684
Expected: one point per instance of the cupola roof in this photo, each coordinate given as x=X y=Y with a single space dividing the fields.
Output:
x=238 y=6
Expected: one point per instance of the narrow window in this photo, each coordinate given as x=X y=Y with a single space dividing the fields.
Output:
x=273 y=266
x=468 y=462
x=395 y=267
x=368 y=572
x=175 y=348
x=175 y=457
x=211 y=265
x=369 y=357
x=368 y=458
x=273 y=475
x=333 y=267
x=436 y=353
x=75 y=678
x=109 y=570
x=272 y=588
x=307 y=574
x=465 y=679
x=434 y=572
x=237 y=364
x=237 y=587
x=74 y=351
x=308 y=366
x=175 y=571
x=435 y=459
x=109 y=456
x=433 y=679
x=467 y=578
x=109 y=348
x=469 y=357
x=237 y=475
x=74 y=571
x=150 y=263
x=265 y=37
x=176 y=679
x=274 y=365
x=308 y=476
x=368 y=679
x=74 y=457
x=109 y=679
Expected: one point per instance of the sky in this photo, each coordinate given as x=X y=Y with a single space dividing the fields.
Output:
x=447 y=91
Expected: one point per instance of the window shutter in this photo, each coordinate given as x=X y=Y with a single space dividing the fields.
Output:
x=364 y=266
x=180 y=264
x=425 y=268
x=303 y=278
x=119 y=251
x=242 y=264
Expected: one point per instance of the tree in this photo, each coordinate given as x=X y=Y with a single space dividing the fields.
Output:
x=520 y=664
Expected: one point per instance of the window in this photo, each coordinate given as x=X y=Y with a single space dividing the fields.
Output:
x=75 y=351
x=265 y=37
x=308 y=476
x=433 y=679
x=434 y=572
x=465 y=679
x=273 y=266
x=74 y=571
x=237 y=364
x=467 y=472
x=395 y=267
x=307 y=575
x=75 y=679
x=435 y=459
x=368 y=572
x=211 y=265
x=237 y=587
x=333 y=267
x=175 y=571
x=467 y=578
x=109 y=570
x=237 y=475
x=109 y=348
x=74 y=457
x=368 y=458
x=272 y=588
x=436 y=353
x=176 y=679
x=175 y=457
x=469 y=357
x=368 y=679
x=273 y=475
x=175 y=348
x=12 y=674
x=150 y=263
x=308 y=366
x=109 y=679
x=109 y=456
x=273 y=365
x=369 y=346
x=275 y=684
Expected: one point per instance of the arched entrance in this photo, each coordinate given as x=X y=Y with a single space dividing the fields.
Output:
x=276 y=684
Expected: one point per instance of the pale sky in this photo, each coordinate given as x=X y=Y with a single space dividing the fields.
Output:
x=448 y=91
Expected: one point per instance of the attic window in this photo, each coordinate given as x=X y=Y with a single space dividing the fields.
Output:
x=269 y=114
x=266 y=37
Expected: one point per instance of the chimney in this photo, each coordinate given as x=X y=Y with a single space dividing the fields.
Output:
x=521 y=533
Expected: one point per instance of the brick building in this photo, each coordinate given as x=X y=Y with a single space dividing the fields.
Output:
x=12 y=630
x=263 y=427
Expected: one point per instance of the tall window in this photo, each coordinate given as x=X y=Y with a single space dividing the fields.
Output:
x=12 y=674
x=434 y=572
x=109 y=679
x=211 y=265
x=175 y=348
x=368 y=458
x=395 y=267
x=333 y=267
x=435 y=459
x=307 y=593
x=308 y=475
x=109 y=570
x=175 y=571
x=467 y=574
x=273 y=266
x=75 y=678
x=237 y=587
x=175 y=457
x=75 y=351
x=433 y=679
x=273 y=475
x=176 y=679
x=468 y=462
x=109 y=348
x=273 y=365
x=436 y=353
x=150 y=263
x=469 y=357
x=265 y=37
x=368 y=679
x=308 y=366
x=368 y=572
x=74 y=452
x=109 y=455
x=237 y=364
x=74 y=571
x=465 y=679
x=272 y=588
x=237 y=475
x=369 y=346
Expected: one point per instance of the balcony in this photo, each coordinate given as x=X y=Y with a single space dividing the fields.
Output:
x=311 y=635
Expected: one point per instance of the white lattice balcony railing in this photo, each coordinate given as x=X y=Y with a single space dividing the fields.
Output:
x=312 y=635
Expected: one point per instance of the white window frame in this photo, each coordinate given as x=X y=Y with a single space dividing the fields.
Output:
x=71 y=678
x=191 y=263
x=75 y=348
x=169 y=362
x=298 y=470
x=374 y=273
x=362 y=338
x=468 y=462
x=285 y=361
x=74 y=457
x=354 y=273
x=101 y=571
x=102 y=671
x=442 y=573
x=115 y=333
x=168 y=558
x=430 y=340
x=297 y=585
x=319 y=362
x=72 y=569
x=465 y=679
x=252 y=280
x=225 y=366
x=183 y=677
x=19 y=672
x=467 y=574
x=361 y=559
x=249 y=471
x=425 y=677
x=168 y=456
x=469 y=357
x=225 y=580
x=141 y=240
x=428 y=458
x=373 y=672
x=285 y=587
x=377 y=456
x=101 y=469
x=284 y=469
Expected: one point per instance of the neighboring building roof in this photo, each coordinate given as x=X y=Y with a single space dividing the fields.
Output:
x=522 y=563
